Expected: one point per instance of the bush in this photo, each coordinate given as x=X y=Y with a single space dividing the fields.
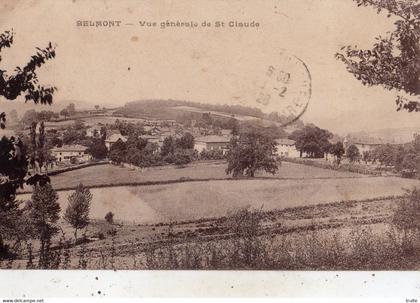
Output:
x=183 y=156
x=354 y=168
x=109 y=217
x=212 y=155
x=407 y=215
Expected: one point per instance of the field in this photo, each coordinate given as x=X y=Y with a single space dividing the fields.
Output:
x=294 y=185
x=91 y=121
x=302 y=205
x=115 y=175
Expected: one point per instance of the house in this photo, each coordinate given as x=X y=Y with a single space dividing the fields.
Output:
x=366 y=146
x=212 y=142
x=226 y=132
x=114 y=138
x=70 y=153
x=93 y=131
x=287 y=148
x=153 y=130
x=151 y=139
x=363 y=145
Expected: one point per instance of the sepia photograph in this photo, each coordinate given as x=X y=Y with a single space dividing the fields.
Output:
x=210 y=135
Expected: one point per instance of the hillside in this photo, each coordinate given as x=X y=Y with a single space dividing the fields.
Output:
x=171 y=109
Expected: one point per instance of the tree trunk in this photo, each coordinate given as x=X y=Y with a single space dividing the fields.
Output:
x=41 y=262
x=75 y=236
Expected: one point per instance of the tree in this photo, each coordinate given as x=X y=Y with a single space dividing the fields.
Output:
x=64 y=112
x=118 y=151
x=411 y=162
x=25 y=80
x=312 y=140
x=384 y=153
x=168 y=146
x=98 y=149
x=207 y=119
x=407 y=214
x=251 y=152
x=338 y=151
x=42 y=147
x=71 y=109
x=77 y=211
x=13 y=169
x=46 y=115
x=233 y=125
x=353 y=153
x=102 y=132
x=185 y=142
x=76 y=134
x=393 y=62
x=13 y=162
x=44 y=212
x=29 y=117
x=366 y=156
x=109 y=217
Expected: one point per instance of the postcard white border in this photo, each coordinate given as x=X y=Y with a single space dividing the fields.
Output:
x=134 y=284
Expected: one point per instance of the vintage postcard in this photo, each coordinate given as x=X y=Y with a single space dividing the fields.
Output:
x=210 y=135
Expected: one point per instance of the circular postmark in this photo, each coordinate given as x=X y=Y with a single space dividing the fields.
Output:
x=285 y=88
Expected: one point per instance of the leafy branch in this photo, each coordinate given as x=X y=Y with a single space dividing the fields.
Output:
x=394 y=61
x=25 y=80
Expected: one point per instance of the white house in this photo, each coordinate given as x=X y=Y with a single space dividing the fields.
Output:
x=287 y=148
x=226 y=132
x=212 y=142
x=93 y=131
x=66 y=153
x=364 y=145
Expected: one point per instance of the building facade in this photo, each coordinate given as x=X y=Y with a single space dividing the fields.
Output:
x=71 y=154
x=212 y=143
x=114 y=138
x=287 y=148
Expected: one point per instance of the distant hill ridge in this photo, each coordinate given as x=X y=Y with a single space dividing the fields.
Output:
x=388 y=135
x=170 y=108
x=229 y=109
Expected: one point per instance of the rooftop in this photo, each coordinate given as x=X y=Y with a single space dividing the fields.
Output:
x=285 y=141
x=76 y=148
x=213 y=139
x=370 y=141
x=115 y=138
x=146 y=137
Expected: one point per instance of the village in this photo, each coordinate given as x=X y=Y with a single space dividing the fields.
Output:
x=259 y=148
x=210 y=142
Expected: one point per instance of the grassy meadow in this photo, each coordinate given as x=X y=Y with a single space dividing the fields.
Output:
x=308 y=218
x=112 y=175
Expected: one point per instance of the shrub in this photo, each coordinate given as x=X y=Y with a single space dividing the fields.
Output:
x=406 y=217
x=212 y=154
x=183 y=156
x=109 y=217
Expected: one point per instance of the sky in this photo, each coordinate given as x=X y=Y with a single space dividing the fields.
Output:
x=112 y=66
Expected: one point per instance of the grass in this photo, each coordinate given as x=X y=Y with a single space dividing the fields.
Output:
x=301 y=186
x=241 y=240
x=299 y=227
x=115 y=175
x=195 y=200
